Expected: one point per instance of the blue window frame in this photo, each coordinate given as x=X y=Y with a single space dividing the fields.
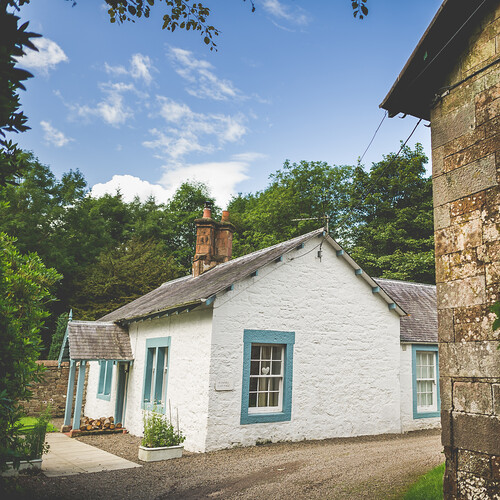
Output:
x=267 y=376
x=156 y=374
x=425 y=376
x=105 y=378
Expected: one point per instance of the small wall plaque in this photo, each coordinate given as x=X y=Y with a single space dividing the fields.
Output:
x=224 y=385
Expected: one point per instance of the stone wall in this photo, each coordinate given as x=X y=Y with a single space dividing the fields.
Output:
x=52 y=390
x=466 y=171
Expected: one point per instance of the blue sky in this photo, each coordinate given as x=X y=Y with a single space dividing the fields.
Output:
x=136 y=106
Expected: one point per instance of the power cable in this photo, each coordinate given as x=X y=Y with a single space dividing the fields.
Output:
x=370 y=143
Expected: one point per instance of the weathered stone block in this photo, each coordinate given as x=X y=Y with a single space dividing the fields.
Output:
x=467 y=204
x=455 y=123
x=464 y=181
x=469 y=359
x=473 y=397
x=437 y=161
x=473 y=153
x=461 y=293
x=479 y=53
x=445 y=393
x=445 y=325
x=491 y=232
x=458 y=265
x=441 y=217
x=480 y=433
x=472 y=487
x=496 y=399
x=491 y=209
x=477 y=463
x=446 y=426
x=495 y=467
x=487 y=104
x=459 y=237
x=473 y=324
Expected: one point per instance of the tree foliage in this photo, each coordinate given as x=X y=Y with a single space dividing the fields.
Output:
x=25 y=290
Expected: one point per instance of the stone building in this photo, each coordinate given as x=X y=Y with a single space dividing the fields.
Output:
x=290 y=342
x=453 y=79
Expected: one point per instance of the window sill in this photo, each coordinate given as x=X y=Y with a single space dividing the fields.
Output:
x=427 y=414
x=153 y=407
x=257 y=418
x=105 y=397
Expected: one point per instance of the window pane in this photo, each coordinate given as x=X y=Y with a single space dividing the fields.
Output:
x=276 y=368
x=266 y=351
x=252 y=401
x=254 y=368
x=265 y=367
x=275 y=384
x=255 y=352
x=253 y=383
x=273 y=398
x=277 y=352
x=263 y=384
x=262 y=399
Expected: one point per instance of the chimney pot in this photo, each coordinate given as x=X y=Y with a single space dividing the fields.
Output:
x=207 y=212
x=225 y=216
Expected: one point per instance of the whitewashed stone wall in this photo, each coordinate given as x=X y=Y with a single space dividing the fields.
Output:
x=95 y=407
x=346 y=354
x=409 y=423
x=188 y=371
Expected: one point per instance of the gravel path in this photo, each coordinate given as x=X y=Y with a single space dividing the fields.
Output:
x=355 y=468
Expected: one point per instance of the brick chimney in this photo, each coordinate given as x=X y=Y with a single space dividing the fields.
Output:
x=214 y=241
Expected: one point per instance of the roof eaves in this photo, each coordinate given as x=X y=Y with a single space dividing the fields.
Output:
x=392 y=304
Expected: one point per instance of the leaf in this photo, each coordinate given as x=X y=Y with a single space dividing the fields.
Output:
x=364 y=10
x=206 y=40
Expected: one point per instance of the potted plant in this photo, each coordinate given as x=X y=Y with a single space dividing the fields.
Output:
x=161 y=440
x=28 y=448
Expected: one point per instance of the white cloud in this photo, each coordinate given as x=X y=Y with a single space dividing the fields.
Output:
x=130 y=186
x=188 y=131
x=112 y=109
x=221 y=178
x=54 y=136
x=198 y=72
x=294 y=15
x=140 y=68
x=49 y=55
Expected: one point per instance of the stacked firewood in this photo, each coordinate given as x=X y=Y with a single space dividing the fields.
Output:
x=99 y=424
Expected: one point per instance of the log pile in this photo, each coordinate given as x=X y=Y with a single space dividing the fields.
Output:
x=99 y=424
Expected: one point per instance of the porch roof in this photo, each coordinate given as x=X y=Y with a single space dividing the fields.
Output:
x=95 y=340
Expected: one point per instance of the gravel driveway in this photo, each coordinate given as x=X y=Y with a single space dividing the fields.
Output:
x=378 y=467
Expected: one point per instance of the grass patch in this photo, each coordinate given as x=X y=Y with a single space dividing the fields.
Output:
x=27 y=423
x=428 y=487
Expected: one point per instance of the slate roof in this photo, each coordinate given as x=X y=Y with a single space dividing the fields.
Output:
x=96 y=340
x=419 y=301
x=190 y=291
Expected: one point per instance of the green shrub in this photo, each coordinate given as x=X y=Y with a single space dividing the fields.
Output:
x=33 y=444
x=159 y=431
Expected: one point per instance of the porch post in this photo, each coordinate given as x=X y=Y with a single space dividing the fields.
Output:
x=69 y=392
x=79 y=394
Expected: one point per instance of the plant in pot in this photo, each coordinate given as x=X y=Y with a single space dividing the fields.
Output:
x=29 y=445
x=161 y=440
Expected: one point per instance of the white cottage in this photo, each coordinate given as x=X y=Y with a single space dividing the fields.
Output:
x=287 y=343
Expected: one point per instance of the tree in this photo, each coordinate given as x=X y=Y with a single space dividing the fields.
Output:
x=392 y=218
x=305 y=190
x=118 y=277
x=25 y=291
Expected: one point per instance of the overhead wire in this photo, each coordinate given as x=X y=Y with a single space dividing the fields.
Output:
x=373 y=137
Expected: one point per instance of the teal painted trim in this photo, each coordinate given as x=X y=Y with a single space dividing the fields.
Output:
x=375 y=289
x=120 y=393
x=230 y=288
x=392 y=306
x=79 y=394
x=299 y=246
x=151 y=344
x=267 y=337
x=358 y=272
x=279 y=259
x=105 y=379
x=63 y=345
x=340 y=253
x=255 y=273
x=69 y=392
x=209 y=300
x=414 y=349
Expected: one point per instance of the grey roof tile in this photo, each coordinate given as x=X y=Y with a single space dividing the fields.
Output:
x=419 y=301
x=189 y=290
x=95 y=340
